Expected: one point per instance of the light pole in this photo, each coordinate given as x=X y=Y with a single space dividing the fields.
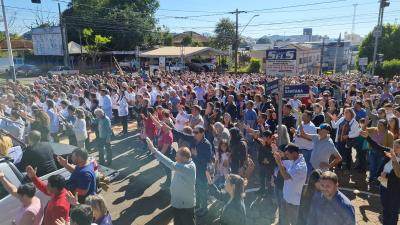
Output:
x=248 y=23
x=9 y=47
x=378 y=31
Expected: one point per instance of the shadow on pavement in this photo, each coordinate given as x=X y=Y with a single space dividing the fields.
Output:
x=159 y=200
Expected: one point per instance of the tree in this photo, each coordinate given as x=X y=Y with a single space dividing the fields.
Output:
x=263 y=40
x=224 y=34
x=94 y=43
x=128 y=23
x=168 y=38
x=388 y=43
x=187 y=40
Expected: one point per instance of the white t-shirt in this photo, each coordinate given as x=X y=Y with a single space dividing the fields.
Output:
x=303 y=143
x=181 y=119
x=295 y=103
x=293 y=187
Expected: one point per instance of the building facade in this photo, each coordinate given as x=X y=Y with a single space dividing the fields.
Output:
x=331 y=50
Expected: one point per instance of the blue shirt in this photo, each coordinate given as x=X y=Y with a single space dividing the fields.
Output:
x=83 y=178
x=107 y=106
x=105 y=220
x=337 y=211
x=250 y=117
x=362 y=113
x=174 y=102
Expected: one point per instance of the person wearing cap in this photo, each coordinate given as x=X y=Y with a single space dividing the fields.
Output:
x=294 y=175
x=323 y=148
x=195 y=119
x=201 y=150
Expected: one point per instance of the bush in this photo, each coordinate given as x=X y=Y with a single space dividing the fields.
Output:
x=388 y=69
x=255 y=66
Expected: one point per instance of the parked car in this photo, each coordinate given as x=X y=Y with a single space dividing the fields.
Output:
x=28 y=70
x=11 y=205
x=196 y=68
x=177 y=68
x=62 y=70
x=206 y=64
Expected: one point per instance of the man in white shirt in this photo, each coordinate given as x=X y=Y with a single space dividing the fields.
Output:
x=304 y=142
x=294 y=178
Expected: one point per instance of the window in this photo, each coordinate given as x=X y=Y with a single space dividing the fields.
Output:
x=10 y=175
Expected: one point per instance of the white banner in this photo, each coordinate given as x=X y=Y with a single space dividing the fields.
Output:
x=281 y=62
x=47 y=41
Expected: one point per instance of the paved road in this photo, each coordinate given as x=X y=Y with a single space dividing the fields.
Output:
x=135 y=196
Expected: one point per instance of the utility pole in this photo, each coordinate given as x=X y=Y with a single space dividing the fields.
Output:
x=378 y=31
x=322 y=56
x=236 y=44
x=336 y=54
x=352 y=34
x=9 y=47
x=63 y=37
x=237 y=40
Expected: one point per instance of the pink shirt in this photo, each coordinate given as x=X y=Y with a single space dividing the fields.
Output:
x=34 y=208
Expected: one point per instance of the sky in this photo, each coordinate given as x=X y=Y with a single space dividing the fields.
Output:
x=271 y=17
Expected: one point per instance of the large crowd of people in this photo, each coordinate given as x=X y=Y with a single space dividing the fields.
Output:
x=227 y=132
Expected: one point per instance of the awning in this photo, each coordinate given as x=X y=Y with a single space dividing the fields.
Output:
x=74 y=48
x=176 y=52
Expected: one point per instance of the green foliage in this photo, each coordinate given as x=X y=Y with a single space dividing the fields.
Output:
x=167 y=39
x=388 y=68
x=388 y=43
x=128 y=23
x=94 y=43
x=253 y=67
x=187 y=41
x=225 y=34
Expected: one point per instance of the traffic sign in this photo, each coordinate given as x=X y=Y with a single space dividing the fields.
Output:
x=271 y=87
x=298 y=90
x=363 y=61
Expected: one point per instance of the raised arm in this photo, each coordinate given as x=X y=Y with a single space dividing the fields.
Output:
x=8 y=185
x=39 y=184
x=373 y=144
x=64 y=163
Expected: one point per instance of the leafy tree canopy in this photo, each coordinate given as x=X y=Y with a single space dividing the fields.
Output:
x=128 y=23
x=388 y=43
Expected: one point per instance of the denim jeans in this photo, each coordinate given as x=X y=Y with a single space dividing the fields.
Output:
x=104 y=147
x=375 y=160
x=307 y=157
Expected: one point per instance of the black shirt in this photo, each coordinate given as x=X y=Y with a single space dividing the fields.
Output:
x=40 y=156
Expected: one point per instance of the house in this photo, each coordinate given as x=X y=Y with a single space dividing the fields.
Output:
x=196 y=38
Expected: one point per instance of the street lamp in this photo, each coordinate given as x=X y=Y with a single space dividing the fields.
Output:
x=249 y=23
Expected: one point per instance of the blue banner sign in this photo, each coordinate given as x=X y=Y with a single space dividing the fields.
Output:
x=281 y=54
x=292 y=90
x=271 y=87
